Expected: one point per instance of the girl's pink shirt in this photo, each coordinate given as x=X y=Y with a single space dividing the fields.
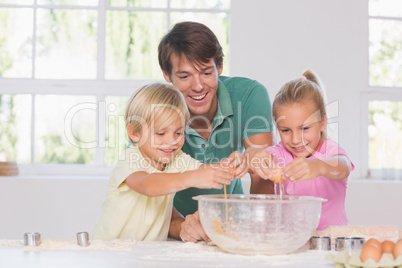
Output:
x=333 y=211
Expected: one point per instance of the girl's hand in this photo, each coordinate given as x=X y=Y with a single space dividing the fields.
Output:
x=262 y=163
x=210 y=176
x=302 y=169
x=237 y=162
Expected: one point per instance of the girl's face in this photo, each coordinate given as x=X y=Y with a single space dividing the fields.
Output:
x=300 y=128
x=160 y=146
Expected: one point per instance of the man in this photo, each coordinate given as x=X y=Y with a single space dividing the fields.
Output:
x=227 y=114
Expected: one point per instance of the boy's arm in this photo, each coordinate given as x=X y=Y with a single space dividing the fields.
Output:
x=158 y=184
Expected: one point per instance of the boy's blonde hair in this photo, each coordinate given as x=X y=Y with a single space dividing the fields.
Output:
x=306 y=88
x=157 y=105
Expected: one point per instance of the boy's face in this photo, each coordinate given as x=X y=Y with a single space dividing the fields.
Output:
x=300 y=128
x=159 y=147
x=198 y=84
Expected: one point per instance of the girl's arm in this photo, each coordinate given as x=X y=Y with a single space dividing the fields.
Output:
x=237 y=162
x=260 y=162
x=335 y=168
x=158 y=184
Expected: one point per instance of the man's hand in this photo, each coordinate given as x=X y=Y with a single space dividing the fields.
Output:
x=191 y=229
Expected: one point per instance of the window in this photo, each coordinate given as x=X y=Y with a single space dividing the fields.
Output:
x=384 y=99
x=68 y=67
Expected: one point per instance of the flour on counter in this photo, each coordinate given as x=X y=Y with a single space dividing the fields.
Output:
x=190 y=245
x=201 y=252
x=150 y=254
x=117 y=244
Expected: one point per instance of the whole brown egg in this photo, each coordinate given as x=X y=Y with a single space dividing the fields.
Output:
x=370 y=251
x=398 y=249
x=387 y=246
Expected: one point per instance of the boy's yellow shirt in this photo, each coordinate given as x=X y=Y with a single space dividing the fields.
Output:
x=127 y=214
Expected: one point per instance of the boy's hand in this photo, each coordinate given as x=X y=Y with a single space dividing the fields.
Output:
x=210 y=176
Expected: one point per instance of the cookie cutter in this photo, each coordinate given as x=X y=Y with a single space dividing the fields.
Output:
x=83 y=239
x=349 y=244
x=32 y=239
x=320 y=243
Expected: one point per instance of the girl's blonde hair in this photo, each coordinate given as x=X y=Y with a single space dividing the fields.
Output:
x=156 y=105
x=306 y=88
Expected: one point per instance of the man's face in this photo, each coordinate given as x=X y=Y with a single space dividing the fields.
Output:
x=198 y=84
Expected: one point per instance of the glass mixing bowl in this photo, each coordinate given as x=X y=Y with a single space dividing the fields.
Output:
x=259 y=224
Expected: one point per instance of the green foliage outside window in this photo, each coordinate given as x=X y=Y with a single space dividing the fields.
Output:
x=132 y=39
x=8 y=130
x=385 y=53
x=6 y=60
x=385 y=132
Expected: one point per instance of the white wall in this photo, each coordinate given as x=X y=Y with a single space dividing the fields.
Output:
x=56 y=207
x=272 y=42
x=276 y=41
x=60 y=208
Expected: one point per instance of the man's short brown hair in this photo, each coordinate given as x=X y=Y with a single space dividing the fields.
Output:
x=193 y=40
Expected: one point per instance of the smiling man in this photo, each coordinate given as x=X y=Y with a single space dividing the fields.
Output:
x=227 y=114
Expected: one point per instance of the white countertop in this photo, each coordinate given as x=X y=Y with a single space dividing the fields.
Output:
x=156 y=254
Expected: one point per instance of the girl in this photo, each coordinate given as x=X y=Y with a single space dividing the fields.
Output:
x=139 y=201
x=312 y=164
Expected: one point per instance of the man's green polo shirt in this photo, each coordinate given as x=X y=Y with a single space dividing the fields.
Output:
x=244 y=109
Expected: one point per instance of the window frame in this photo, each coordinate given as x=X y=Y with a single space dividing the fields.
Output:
x=99 y=87
x=381 y=94
x=372 y=93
